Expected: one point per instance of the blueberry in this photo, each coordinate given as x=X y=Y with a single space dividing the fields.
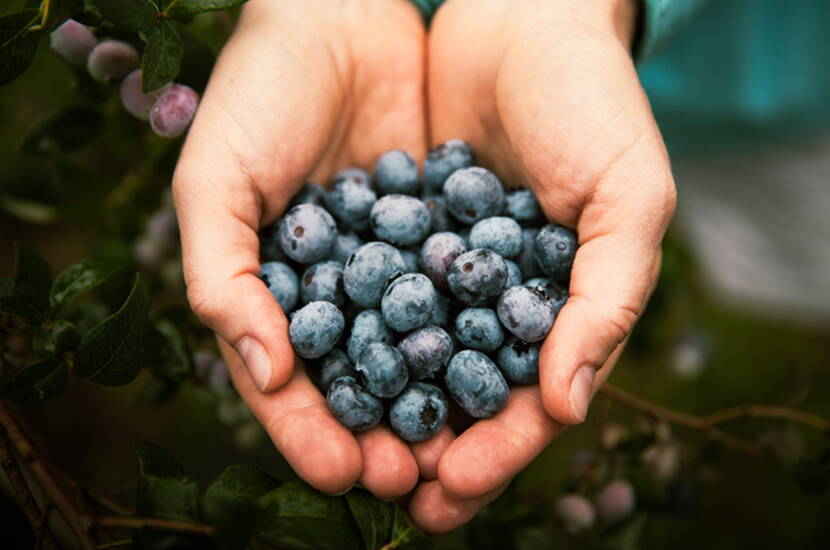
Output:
x=440 y=219
x=474 y=194
x=282 y=282
x=112 y=60
x=477 y=276
x=479 y=328
x=410 y=258
x=438 y=252
x=73 y=42
x=445 y=159
x=382 y=370
x=309 y=193
x=307 y=233
x=575 y=512
x=332 y=366
x=400 y=219
x=523 y=207
x=526 y=313
x=557 y=295
x=353 y=406
x=476 y=384
x=514 y=274
x=369 y=270
x=345 y=244
x=519 y=361
x=354 y=175
x=173 y=110
x=408 y=302
x=396 y=172
x=419 y=412
x=426 y=351
x=555 y=247
x=323 y=282
x=269 y=243
x=315 y=329
x=499 y=234
x=350 y=201
x=526 y=260
x=367 y=327
x=441 y=314
x=615 y=501
x=133 y=98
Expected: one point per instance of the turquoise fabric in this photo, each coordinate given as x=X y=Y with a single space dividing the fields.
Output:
x=661 y=20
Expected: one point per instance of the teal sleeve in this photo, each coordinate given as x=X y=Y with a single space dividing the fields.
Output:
x=427 y=7
x=660 y=19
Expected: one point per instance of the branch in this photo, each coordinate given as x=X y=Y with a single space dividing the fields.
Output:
x=132 y=523
x=18 y=482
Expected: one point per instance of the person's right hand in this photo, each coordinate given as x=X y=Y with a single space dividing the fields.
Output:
x=300 y=90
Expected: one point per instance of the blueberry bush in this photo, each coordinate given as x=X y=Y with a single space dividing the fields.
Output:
x=712 y=428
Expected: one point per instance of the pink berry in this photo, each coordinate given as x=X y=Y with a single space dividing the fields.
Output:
x=112 y=60
x=575 y=512
x=173 y=111
x=615 y=501
x=73 y=42
x=135 y=101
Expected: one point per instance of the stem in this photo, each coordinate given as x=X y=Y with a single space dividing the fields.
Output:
x=114 y=522
x=18 y=482
x=115 y=544
x=768 y=411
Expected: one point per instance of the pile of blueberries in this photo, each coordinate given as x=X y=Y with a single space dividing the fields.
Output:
x=399 y=298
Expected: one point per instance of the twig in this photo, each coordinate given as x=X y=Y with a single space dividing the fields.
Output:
x=115 y=543
x=155 y=523
x=768 y=411
x=18 y=482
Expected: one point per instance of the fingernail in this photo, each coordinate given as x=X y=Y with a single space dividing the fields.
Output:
x=256 y=360
x=582 y=387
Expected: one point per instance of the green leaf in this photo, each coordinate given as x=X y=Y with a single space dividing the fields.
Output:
x=20 y=300
x=625 y=536
x=405 y=535
x=111 y=353
x=174 y=361
x=813 y=478
x=373 y=518
x=38 y=382
x=155 y=461
x=55 y=338
x=128 y=15
x=32 y=269
x=63 y=131
x=59 y=11
x=299 y=518
x=18 y=44
x=79 y=278
x=184 y=9
x=162 y=57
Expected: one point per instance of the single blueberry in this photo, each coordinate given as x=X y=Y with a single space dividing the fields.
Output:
x=519 y=361
x=345 y=244
x=400 y=219
x=111 y=60
x=438 y=252
x=441 y=314
x=353 y=406
x=500 y=234
x=367 y=327
x=307 y=233
x=523 y=207
x=350 y=202
x=526 y=313
x=408 y=302
x=426 y=351
x=410 y=258
x=382 y=370
x=354 y=175
x=514 y=274
x=479 y=328
x=445 y=159
x=555 y=247
x=309 y=193
x=476 y=384
x=282 y=282
x=474 y=194
x=315 y=329
x=73 y=42
x=323 y=282
x=174 y=109
x=440 y=219
x=396 y=173
x=369 y=270
x=556 y=294
x=526 y=260
x=477 y=276
x=332 y=366
x=419 y=412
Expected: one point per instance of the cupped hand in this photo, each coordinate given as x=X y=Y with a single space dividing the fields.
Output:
x=547 y=94
x=300 y=90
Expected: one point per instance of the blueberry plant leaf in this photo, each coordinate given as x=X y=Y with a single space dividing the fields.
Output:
x=79 y=278
x=155 y=461
x=372 y=516
x=299 y=518
x=18 y=43
x=32 y=269
x=20 y=300
x=55 y=12
x=38 y=382
x=128 y=15
x=625 y=536
x=184 y=9
x=173 y=360
x=55 y=337
x=162 y=57
x=111 y=352
x=63 y=131
x=405 y=535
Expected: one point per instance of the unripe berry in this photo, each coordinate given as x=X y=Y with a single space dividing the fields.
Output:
x=612 y=435
x=173 y=111
x=135 y=101
x=249 y=436
x=203 y=361
x=575 y=512
x=73 y=42
x=164 y=227
x=112 y=60
x=148 y=252
x=615 y=501
x=662 y=460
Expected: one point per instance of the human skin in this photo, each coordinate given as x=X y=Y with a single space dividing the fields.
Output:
x=546 y=93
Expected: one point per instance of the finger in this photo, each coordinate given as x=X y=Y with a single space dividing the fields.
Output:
x=298 y=421
x=428 y=453
x=389 y=469
x=436 y=511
